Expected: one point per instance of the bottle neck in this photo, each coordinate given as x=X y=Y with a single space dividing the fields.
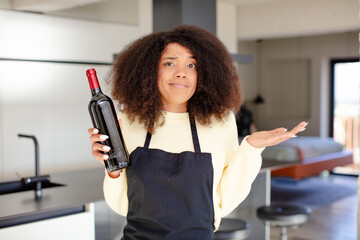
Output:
x=95 y=91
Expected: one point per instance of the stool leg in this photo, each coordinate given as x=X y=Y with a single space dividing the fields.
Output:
x=283 y=235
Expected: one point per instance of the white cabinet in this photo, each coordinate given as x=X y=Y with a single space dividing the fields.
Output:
x=78 y=226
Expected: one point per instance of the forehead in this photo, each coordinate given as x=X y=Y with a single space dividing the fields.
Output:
x=177 y=49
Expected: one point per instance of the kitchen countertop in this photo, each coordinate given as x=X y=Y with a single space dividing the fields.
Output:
x=80 y=188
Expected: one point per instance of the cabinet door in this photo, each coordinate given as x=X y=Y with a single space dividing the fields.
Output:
x=78 y=226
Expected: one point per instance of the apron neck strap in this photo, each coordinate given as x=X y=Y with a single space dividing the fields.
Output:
x=193 y=133
x=147 y=140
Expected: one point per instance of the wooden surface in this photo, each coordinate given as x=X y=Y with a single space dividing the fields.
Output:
x=313 y=166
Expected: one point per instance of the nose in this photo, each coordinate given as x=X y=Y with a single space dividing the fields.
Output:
x=180 y=72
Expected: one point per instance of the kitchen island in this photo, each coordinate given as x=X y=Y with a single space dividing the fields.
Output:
x=83 y=189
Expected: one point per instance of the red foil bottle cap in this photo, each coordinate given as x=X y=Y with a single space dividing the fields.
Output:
x=93 y=80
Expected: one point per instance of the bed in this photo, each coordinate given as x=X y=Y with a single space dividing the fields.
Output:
x=305 y=156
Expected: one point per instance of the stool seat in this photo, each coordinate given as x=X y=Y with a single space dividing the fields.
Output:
x=284 y=214
x=232 y=229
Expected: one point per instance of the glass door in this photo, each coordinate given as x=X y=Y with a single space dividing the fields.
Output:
x=346 y=104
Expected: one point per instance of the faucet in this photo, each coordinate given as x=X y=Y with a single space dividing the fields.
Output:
x=37 y=180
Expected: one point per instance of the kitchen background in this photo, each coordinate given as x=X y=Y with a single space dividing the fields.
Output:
x=43 y=59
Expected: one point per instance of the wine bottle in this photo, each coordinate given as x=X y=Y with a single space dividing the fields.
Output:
x=103 y=117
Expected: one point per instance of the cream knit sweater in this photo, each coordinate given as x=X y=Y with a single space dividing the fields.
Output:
x=235 y=167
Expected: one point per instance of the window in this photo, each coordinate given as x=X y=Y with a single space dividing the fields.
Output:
x=345 y=109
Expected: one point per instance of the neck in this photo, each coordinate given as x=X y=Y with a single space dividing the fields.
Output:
x=176 y=108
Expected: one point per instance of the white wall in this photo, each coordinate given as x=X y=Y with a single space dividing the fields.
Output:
x=314 y=105
x=50 y=100
x=266 y=19
x=249 y=74
x=226 y=24
x=120 y=11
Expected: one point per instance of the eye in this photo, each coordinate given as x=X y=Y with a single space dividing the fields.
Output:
x=169 y=64
x=192 y=65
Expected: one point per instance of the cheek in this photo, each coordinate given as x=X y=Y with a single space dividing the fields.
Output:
x=161 y=86
x=195 y=82
x=193 y=89
x=160 y=77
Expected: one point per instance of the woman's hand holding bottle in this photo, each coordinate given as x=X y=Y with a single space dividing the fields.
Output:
x=99 y=150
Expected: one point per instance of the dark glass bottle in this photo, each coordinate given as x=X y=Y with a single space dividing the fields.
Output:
x=103 y=116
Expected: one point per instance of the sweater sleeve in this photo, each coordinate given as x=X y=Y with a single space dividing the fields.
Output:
x=242 y=166
x=115 y=189
x=115 y=193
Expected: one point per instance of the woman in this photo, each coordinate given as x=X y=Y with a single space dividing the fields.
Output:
x=177 y=90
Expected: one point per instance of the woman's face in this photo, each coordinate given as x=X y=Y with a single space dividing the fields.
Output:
x=177 y=77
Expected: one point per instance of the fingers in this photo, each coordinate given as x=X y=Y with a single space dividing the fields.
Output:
x=281 y=136
x=97 y=148
x=93 y=131
x=292 y=133
x=275 y=136
x=99 y=151
x=279 y=130
x=299 y=128
x=98 y=138
x=268 y=138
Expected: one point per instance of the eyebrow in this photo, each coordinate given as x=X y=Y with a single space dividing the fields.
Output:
x=173 y=58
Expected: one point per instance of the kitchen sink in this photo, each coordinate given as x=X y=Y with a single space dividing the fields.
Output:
x=21 y=186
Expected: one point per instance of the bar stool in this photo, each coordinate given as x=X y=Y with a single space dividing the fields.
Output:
x=284 y=215
x=232 y=229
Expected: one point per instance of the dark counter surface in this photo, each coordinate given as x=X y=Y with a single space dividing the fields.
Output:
x=80 y=188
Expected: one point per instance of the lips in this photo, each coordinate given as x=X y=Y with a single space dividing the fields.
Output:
x=179 y=85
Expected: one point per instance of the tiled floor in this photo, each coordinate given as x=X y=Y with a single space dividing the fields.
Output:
x=337 y=221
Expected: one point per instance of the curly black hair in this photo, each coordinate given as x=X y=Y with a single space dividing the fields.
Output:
x=134 y=77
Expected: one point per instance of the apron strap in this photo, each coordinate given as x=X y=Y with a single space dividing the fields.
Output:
x=147 y=140
x=193 y=133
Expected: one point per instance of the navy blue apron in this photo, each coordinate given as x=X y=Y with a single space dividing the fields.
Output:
x=170 y=194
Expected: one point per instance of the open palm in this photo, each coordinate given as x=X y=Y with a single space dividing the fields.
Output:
x=273 y=137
